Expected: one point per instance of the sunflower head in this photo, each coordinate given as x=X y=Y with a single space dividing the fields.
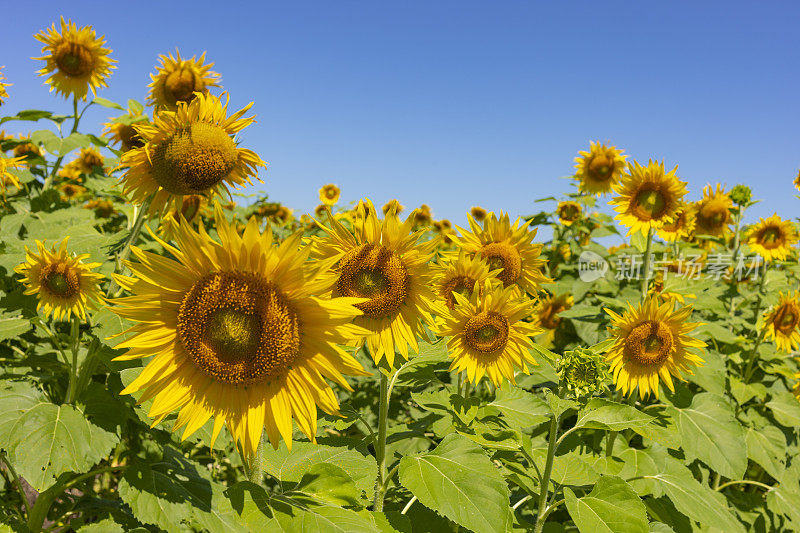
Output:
x=62 y=282
x=547 y=310
x=26 y=149
x=599 y=169
x=3 y=91
x=712 y=213
x=648 y=197
x=71 y=191
x=392 y=204
x=652 y=341
x=75 y=60
x=488 y=333
x=681 y=226
x=741 y=195
x=423 y=216
x=782 y=323
x=180 y=80
x=478 y=213
x=329 y=194
x=89 y=159
x=460 y=275
x=101 y=208
x=7 y=179
x=189 y=151
x=773 y=238
x=121 y=129
x=569 y=212
x=583 y=372
x=797 y=181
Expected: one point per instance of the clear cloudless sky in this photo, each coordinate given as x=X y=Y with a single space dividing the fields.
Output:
x=462 y=103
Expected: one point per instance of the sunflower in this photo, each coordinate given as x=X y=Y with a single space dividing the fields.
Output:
x=797 y=181
x=320 y=210
x=599 y=168
x=74 y=59
x=649 y=197
x=423 y=216
x=546 y=315
x=478 y=213
x=393 y=204
x=507 y=247
x=329 y=194
x=192 y=209
x=7 y=179
x=121 y=129
x=62 y=282
x=773 y=238
x=383 y=262
x=101 y=208
x=712 y=213
x=782 y=323
x=681 y=226
x=189 y=151
x=3 y=91
x=651 y=341
x=460 y=275
x=569 y=212
x=284 y=214
x=488 y=335
x=26 y=149
x=236 y=333
x=70 y=191
x=88 y=160
x=179 y=80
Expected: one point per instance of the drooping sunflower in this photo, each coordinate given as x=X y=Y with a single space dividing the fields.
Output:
x=329 y=194
x=478 y=213
x=393 y=204
x=773 y=238
x=681 y=226
x=3 y=91
x=652 y=341
x=75 y=59
x=712 y=213
x=189 y=151
x=546 y=315
x=236 y=333
x=62 y=282
x=7 y=179
x=569 y=212
x=121 y=129
x=648 y=196
x=179 y=80
x=782 y=323
x=599 y=168
x=488 y=335
x=384 y=262
x=460 y=275
x=506 y=246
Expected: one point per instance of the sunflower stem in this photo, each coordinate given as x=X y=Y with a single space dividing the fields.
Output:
x=255 y=473
x=136 y=229
x=754 y=354
x=544 y=486
x=74 y=335
x=647 y=256
x=735 y=258
x=4 y=460
x=76 y=118
x=380 y=448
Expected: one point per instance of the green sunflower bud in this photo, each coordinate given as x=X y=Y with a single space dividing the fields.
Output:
x=583 y=371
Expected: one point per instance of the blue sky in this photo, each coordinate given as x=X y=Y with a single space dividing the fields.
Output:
x=466 y=103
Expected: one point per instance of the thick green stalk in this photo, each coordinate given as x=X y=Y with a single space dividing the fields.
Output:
x=74 y=336
x=544 y=487
x=255 y=473
x=4 y=460
x=754 y=354
x=380 y=448
x=648 y=252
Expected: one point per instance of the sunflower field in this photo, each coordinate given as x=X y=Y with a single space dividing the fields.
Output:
x=178 y=357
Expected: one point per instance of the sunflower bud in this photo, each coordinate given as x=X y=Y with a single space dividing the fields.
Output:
x=741 y=195
x=583 y=371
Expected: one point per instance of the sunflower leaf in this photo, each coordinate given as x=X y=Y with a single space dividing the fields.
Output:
x=612 y=506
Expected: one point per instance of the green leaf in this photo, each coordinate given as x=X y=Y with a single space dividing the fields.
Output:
x=612 y=506
x=459 y=481
x=44 y=440
x=767 y=447
x=568 y=469
x=28 y=114
x=74 y=141
x=292 y=466
x=519 y=408
x=107 y=103
x=786 y=409
x=559 y=405
x=605 y=414
x=329 y=483
x=710 y=432
x=11 y=326
x=48 y=139
x=697 y=501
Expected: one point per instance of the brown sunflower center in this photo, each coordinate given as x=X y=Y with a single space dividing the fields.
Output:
x=182 y=83
x=601 y=168
x=649 y=343
x=649 y=204
x=60 y=280
x=770 y=237
x=238 y=328
x=713 y=218
x=569 y=212
x=503 y=255
x=73 y=59
x=330 y=193
x=487 y=332
x=195 y=159
x=375 y=272
x=786 y=319
x=460 y=284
